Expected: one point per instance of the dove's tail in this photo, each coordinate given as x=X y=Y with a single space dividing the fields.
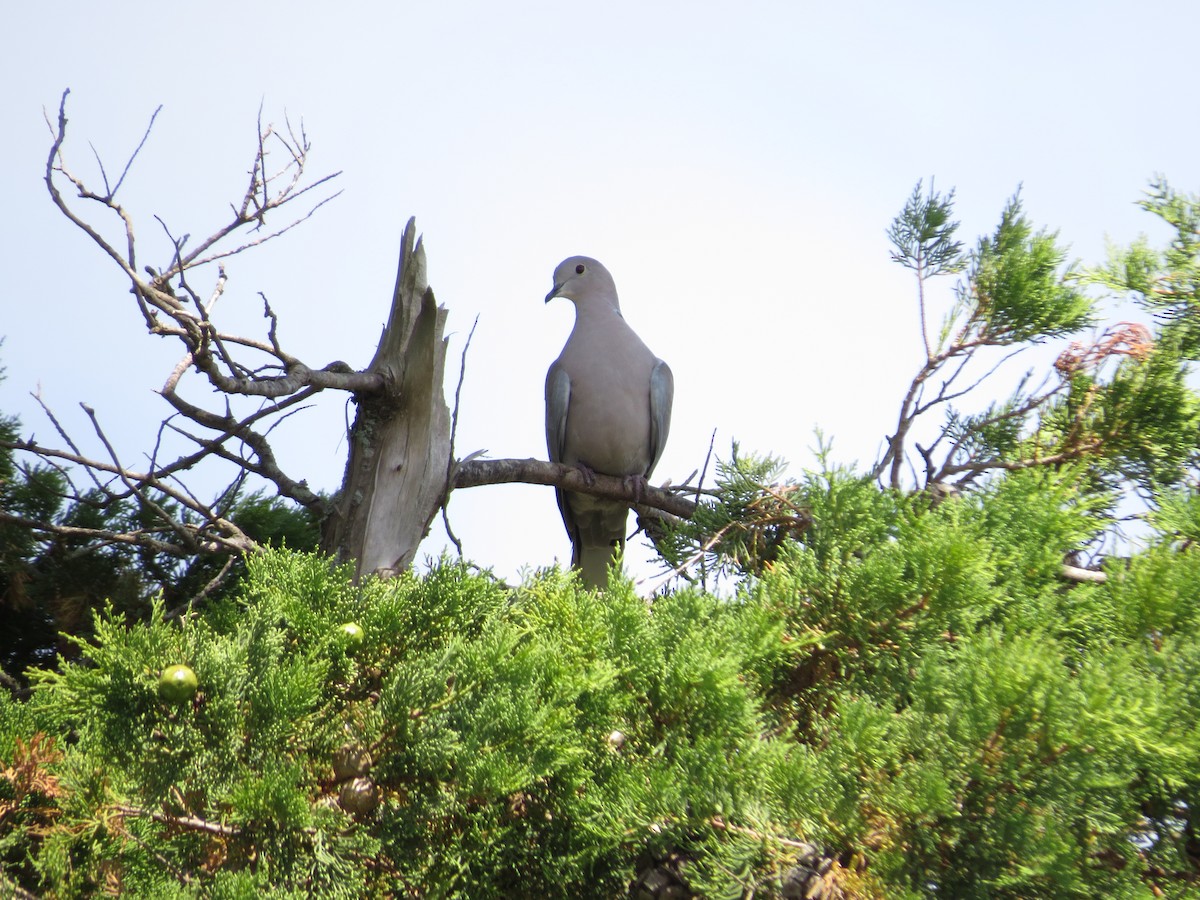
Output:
x=593 y=563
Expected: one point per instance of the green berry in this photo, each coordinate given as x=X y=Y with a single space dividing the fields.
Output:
x=352 y=636
x=177 y=684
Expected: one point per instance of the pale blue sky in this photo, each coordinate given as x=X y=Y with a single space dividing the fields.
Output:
x=734 y=167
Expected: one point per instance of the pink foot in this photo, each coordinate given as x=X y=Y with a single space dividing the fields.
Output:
x=637 y=484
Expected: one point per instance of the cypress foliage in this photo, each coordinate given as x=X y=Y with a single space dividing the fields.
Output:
x=911 y=690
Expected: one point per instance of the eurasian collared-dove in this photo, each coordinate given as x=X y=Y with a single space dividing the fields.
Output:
x=608 y=410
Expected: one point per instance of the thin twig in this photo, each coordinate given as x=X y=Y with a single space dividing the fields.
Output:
x=704 y=469
x=135 y=153
x=54 y=164
x=123 y=474
x=214 y=583
x=681 y=569
x=462 y=374
x=66 y=437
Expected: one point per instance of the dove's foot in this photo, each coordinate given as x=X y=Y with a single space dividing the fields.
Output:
x=637 y=484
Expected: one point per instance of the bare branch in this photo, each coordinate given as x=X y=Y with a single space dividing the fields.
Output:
x=134 y=490
x=213 y=535
x=974 y=469
x=260 y=165
x=54 y=164
x=462 y=374
x=139 y=538
x=227 y=427
x=135 y=153
x=704 y=469
x=191 y=823
x=194 y=260
x=100 y=164
x=943 y=397
x=1083 y=576
x=205 y=592
x=950 y=469
x=66 y=437
x=475 y=472
x=336 y=375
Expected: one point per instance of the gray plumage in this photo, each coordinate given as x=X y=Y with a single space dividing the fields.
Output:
x=608 y=410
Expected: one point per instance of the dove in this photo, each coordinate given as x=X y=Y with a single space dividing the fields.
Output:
x=608 y=411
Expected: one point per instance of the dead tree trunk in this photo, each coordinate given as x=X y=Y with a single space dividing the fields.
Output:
x=399 y=465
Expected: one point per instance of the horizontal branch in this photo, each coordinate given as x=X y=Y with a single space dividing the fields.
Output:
x=141 y=538
x=192 y=823
x=335 y=376
x=153 y=480
x=1089 y=576
x=476 y=472
x=975 y=468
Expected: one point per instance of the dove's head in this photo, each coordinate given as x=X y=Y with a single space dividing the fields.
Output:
x=582 y=278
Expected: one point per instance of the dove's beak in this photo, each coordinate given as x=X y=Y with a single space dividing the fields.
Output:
x=553 y=292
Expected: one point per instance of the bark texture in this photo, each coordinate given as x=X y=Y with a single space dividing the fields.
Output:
x=399 y=465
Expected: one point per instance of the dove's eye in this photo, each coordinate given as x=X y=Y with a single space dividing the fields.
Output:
x=579 y=269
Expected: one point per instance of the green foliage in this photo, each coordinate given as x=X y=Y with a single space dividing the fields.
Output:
x=923 y=234
x=1140 y=425
x=1017 y=290
x=910 y=687
x=1016 y=293
x=1141 y=422
x=1119 y=402
x=747 y=525
x=1167 y=282
x=534 y=743
x=984 y=728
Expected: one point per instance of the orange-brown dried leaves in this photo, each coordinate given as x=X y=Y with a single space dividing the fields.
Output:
x=33 y=791
x=1123 y=339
